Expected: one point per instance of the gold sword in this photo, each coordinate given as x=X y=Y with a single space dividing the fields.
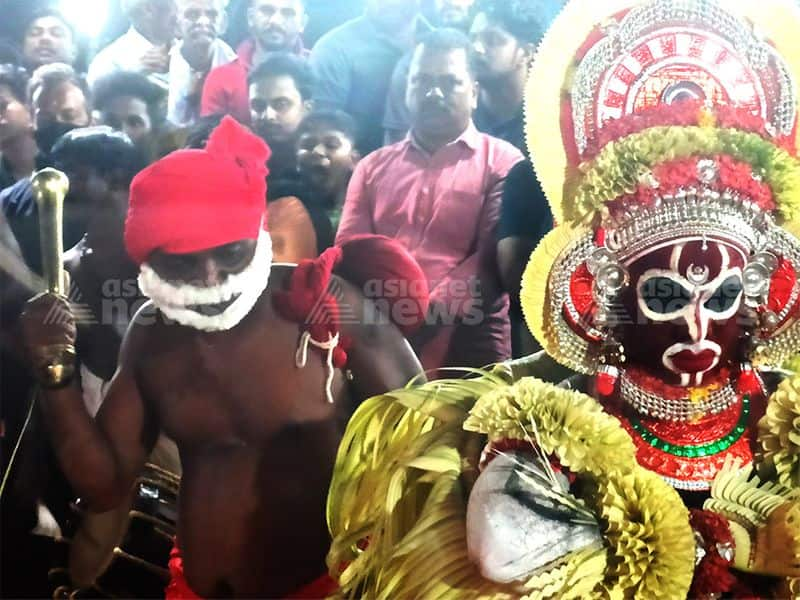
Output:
x=50 y=188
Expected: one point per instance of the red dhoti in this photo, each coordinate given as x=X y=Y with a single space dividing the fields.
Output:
x=178 y=588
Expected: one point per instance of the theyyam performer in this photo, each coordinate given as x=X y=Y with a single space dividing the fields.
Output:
x=248 y=366
x=668 y=465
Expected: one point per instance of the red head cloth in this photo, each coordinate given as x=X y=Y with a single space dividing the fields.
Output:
x=193 y=200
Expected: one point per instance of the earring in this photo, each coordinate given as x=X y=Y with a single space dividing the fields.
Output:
x=610 y=278
x=756 y=279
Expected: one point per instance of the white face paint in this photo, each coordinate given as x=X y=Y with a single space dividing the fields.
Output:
x=665 y=295
x=183 y=303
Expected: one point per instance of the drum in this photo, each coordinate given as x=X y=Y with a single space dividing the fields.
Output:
x=124 y=553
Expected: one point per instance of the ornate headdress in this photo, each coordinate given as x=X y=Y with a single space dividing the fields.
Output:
x=679 y=122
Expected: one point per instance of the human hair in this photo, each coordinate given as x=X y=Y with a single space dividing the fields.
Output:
x=129 y=83
x=111 y=153
x=284 y=63
x=15 y=79
x=201 y=131
x=50 y=12
x=54 y=74
x=334 y=119
x=446 y=40
x=526 y=20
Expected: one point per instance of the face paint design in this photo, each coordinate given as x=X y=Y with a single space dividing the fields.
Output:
x=686 y=297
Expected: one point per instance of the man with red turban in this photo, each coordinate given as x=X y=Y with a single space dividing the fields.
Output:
x=252 y=368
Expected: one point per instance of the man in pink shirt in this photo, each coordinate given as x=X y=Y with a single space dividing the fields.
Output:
x=438 y=193
x=275 y=26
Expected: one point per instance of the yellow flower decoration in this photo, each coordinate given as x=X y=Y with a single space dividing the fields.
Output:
x=405 y=469
x=652 y=543
x=616 y=170
x=569 y=424
x=779 y=432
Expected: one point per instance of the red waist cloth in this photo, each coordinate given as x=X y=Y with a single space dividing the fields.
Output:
x=178 y=588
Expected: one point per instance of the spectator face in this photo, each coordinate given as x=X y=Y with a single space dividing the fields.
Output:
x=14 y=116
x=326 y=158
x=276 y=108
x=454 y=13
x=48 y=40
x=393 y=14
x=56 y=111
x=495 y=52
x=442 y=93
x=200 y=21
x=276 y=24
x=159 y=18
x=130 y=116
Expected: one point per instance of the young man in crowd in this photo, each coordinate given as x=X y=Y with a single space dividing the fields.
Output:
x=326 y=158
x=353 y=64
x=438 y=193
x=145 y=47
x=48 y=38
x=275 y=26
x=59 y=102
x=504 y=36
x=131 y=103
x=256 y=422
x=17 y=145
x=280 y=91
x=199 y=50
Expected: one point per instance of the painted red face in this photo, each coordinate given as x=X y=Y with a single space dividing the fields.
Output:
x=686 y=298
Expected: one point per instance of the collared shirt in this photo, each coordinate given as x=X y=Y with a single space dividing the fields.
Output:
x=182 y=108
x=444 y=209
x=225 y=90
x=125 y=54
x=353 y=67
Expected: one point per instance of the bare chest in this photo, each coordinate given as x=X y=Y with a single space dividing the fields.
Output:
x=240 y=386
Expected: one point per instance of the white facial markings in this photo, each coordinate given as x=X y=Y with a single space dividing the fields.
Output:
x=691 y=304
x=245 y=288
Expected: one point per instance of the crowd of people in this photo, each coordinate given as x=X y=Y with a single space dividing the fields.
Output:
x=399 y=123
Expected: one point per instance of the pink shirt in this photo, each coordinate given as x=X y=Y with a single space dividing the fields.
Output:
x=444 y=209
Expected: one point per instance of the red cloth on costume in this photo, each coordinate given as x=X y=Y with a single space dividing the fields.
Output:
x=193 y=200
x=178 y=588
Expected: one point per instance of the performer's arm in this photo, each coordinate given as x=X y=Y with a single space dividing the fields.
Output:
x=101 y=457
x=380 y=358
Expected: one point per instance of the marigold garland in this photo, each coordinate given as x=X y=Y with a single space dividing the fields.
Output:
x=652 y=543
x=779 y=433
x=566 y=423
x=684 y=114
x=619 y=167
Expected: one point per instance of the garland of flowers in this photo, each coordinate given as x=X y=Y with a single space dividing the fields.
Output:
x=670 y=177
x=685 y=114
x=620 y=167
x=567 y=423
x=779 y=432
